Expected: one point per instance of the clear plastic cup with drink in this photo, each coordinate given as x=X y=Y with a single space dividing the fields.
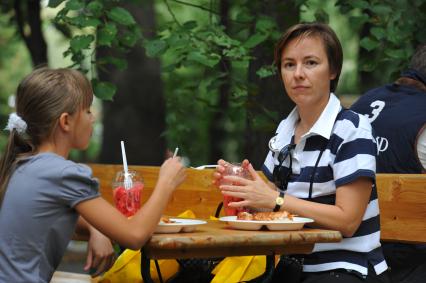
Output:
x=233 y=169
x=127 y=200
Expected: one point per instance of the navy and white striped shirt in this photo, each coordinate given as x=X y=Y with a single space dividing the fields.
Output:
x=350 y=153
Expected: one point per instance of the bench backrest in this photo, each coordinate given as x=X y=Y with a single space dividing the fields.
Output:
x=196 y=193
x=402 y=198
x=402 y=201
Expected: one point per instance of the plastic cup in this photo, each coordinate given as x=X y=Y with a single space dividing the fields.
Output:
x=127 y=201
x=233 y=169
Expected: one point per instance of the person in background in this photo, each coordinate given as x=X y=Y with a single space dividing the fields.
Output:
x=397 y=113
x=321 y=165
x=43 y=195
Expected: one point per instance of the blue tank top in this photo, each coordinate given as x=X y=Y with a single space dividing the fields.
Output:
x=397 y=113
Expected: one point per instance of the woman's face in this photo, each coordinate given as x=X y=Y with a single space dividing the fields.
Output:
x=305 y=71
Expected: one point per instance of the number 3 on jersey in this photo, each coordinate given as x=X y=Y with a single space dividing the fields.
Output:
x=377 y=106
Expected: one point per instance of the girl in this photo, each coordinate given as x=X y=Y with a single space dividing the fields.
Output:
x=321 y=164
x=42 y=194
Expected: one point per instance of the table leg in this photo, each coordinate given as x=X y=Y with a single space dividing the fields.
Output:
x=145 y=268
x=266 y=277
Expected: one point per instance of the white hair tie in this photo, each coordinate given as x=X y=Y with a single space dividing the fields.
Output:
x=16 y=122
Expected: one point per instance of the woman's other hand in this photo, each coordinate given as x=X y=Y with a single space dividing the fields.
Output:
x=100 y=253
x=256 y=192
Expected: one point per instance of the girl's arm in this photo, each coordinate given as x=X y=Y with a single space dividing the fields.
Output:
x=345 y=216
x=134 y=232
x=100 y=253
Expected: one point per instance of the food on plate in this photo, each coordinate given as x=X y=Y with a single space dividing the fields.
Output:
x=165 y=219
x=265 y=216
x=244 y=215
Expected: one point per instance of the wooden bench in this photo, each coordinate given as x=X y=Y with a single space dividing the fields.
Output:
x=402 y=198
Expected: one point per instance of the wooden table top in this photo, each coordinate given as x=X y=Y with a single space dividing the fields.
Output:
x=216 y=239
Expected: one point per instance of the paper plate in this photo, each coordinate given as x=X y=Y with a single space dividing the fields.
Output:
x=179 y=225
x=296 y=223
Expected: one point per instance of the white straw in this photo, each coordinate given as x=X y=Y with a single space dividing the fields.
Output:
x=176 y=151
x=123 y=153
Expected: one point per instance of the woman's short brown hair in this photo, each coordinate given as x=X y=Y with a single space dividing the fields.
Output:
x=332 y=46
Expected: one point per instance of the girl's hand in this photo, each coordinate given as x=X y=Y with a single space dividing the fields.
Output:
x=256 y=192
x=100 y=253
x=172 y=172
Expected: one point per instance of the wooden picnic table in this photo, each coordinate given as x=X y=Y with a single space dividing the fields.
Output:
x=216 y=239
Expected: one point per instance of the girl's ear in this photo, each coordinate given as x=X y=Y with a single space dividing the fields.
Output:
x=64 y=122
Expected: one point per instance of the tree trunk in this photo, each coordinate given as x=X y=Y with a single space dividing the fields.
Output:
x=268 y=94
x=217 y=131
x=28 y=13
x=137 y=114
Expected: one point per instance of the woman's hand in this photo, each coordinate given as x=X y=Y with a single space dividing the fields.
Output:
x=100 y=253
x=256 y=192
x=220 y=169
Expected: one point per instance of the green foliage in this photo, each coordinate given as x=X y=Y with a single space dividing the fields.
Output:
x=395 y=28
x=200 y=55
x=99 y=23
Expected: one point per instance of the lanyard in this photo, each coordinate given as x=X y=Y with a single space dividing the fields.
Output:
x=311 y=182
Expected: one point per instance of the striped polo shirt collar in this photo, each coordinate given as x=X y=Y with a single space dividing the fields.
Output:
x=324 y=125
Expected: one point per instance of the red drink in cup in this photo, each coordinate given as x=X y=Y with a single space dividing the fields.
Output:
x=127 y=200
x=233 y=169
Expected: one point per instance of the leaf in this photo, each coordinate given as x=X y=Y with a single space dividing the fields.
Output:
x=369 y=43
x=189 y=25
x=81 y=42
x=266 y=71
x=368 y=66
x=82 y=21
x=203 y=59
x=155 y=47
x=95 y=7
x=360 y=4
x=121 y=16
x=321 y=16
x=357 y=21
x=255 y=40
x=74 y=5
x=54 y=3
x=265 y=24
x=382 y=10
x=378 y=32
x=104 y=90
x=395 y=53
x=129 y=38
x=106 y=34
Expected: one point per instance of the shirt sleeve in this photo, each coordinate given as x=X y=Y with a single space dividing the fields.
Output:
x=421 y=147
x=78 y=184
x=356 y=155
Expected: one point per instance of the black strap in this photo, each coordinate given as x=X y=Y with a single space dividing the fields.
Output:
x=311 y=183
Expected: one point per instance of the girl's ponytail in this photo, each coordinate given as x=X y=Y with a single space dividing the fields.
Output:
x=17 y=147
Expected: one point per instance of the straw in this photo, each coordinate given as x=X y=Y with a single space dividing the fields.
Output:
x=127 y=180
x=176 y=151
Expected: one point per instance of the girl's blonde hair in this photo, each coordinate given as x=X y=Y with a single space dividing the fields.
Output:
x=41 y=98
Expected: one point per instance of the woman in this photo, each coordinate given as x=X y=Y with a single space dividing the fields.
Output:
x=321 y=162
